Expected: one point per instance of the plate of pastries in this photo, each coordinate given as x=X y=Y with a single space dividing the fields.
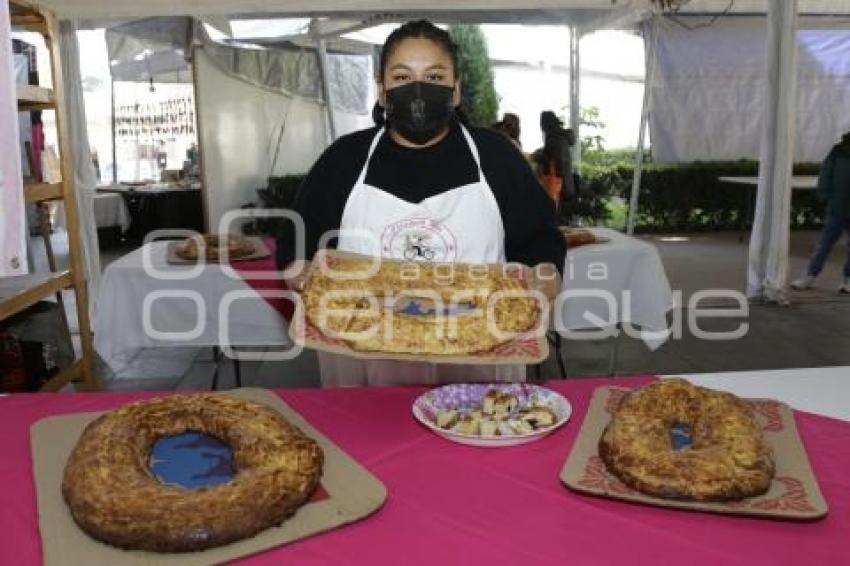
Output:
x=576 y=237
x=492 y=415
x=218 y=247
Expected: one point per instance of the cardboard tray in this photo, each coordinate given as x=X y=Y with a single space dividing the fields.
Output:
x=526 y=348
x=793 y=495
x=347 y=493
x=260 y=252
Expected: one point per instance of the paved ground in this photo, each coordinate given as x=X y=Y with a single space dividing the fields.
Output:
x=814 y=331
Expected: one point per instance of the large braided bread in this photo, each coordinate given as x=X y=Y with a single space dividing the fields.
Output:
x=728 y=458
x=113 y=495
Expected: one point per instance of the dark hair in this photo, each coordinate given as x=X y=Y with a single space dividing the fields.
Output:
x=556 y=143
x=414 y=30
x=511 y=125
x=549 y=122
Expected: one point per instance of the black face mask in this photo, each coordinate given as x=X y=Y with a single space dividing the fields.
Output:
x=418 y=111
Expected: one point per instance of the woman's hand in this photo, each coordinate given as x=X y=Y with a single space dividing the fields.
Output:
x=295 y=275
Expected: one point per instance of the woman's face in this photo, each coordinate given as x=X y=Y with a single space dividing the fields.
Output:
x=418 y=60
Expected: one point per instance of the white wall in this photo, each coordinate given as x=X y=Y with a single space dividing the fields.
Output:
x=240 y=125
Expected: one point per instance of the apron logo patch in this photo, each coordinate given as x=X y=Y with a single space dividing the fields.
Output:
x=418 y=239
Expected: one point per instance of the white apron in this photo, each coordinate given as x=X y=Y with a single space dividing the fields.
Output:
x=462 y=224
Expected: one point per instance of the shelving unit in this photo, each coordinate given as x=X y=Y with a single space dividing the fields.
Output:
x=20 y=293
x=35 y=98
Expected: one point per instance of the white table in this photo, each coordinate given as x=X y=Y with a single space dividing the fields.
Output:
x=616 y=282
x=119 y=321
x=824 y=391
x=150 y=188
x=800 y=182
x=110 y=210
x=607 y=285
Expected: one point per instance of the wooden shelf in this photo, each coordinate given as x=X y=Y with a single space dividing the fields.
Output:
x=72 y=373
x=20 y=293
x=35 y=98
x=24 y=15
x=39 y=192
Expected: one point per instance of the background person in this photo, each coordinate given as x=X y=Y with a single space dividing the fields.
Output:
x=834 y=190
x=554 y=160
x=510 y=127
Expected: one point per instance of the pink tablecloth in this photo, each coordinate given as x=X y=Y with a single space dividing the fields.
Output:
x=266 y=265
x=449 y=504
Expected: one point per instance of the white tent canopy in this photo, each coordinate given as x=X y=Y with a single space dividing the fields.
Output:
x=531 y=11
x=584 y=15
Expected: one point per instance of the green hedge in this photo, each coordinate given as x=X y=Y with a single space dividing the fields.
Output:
x=682 y=197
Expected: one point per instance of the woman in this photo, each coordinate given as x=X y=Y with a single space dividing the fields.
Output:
x=424 y=186
x=554 y=163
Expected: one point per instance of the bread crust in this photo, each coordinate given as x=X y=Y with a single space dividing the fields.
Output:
x=114 y=497
x=215 y=246
x=727 y=460
x=354 y=310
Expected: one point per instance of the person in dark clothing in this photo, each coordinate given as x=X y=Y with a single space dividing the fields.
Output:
x=554 y=160
x=423 y=185
x=834 y=191
x=509 y=126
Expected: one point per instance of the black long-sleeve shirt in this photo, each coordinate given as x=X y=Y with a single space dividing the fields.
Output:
x=414 y=174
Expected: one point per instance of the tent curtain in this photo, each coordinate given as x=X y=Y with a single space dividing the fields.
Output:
x=295 y=72
x=158 y=48
x=152 y=47
x=12 y=215
x=85 y=176
x=710 y=91
x=768 y=254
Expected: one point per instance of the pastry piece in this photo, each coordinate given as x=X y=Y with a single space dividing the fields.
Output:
x=489 y=428
x=498 y=404
x=468 y=425
x=488 y=402
x=520 y=427
x=447 y=418
x=537 y=417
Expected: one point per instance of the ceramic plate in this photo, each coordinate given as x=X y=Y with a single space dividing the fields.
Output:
x=465 y=396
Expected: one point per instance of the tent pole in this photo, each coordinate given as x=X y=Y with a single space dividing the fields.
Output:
x=114 y=150
x=769 y=243
x=323 y=73
x=575 y=98
x=651 y=42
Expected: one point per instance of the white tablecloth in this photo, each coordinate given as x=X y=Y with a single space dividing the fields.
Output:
x=150 y=188
x=619 y=281
x=802 y=182
x=119 y=329
x=111 y=210
x=824 y=391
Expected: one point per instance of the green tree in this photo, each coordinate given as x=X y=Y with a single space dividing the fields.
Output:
x=590 y=128
x=480 y=101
